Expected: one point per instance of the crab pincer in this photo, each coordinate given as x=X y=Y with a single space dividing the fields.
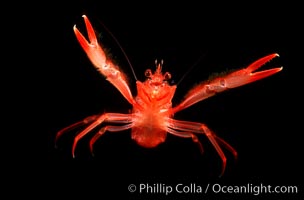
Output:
x=91 y=47
x=247 y=75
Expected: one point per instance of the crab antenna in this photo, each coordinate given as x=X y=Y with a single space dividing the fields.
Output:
x=191 y=68
x=120 y=47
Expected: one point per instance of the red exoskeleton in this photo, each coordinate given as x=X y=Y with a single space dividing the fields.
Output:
x=152 y=114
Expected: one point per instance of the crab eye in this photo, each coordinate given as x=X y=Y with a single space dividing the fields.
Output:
x=148 y=73
x=167 y=76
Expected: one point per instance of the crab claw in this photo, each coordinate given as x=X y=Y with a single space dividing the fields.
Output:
x=104 y=65
x=245 y=76
x=91 y=47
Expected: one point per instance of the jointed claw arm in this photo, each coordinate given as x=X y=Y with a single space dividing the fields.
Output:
x=101 y=62
x=232 y=80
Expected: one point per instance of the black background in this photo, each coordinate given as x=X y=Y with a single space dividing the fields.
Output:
x=258 y=120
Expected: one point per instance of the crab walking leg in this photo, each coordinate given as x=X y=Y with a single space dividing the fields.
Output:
x=200 y=128
x=232 y=80
x=110 y=129
x=225 y=144
x=186 y=135
x=75 y=125
x=107 y=117
x=104 y=65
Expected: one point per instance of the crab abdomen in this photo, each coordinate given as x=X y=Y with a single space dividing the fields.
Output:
x=148 y=136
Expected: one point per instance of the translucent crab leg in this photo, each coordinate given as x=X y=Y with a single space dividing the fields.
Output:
x=95 y=121
x=187 y=135
x=104 y=65
x=232 y=80
x=193 y=127
x=109 y=117
x=196 y=127
x=110 y=129
x=74 y=126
